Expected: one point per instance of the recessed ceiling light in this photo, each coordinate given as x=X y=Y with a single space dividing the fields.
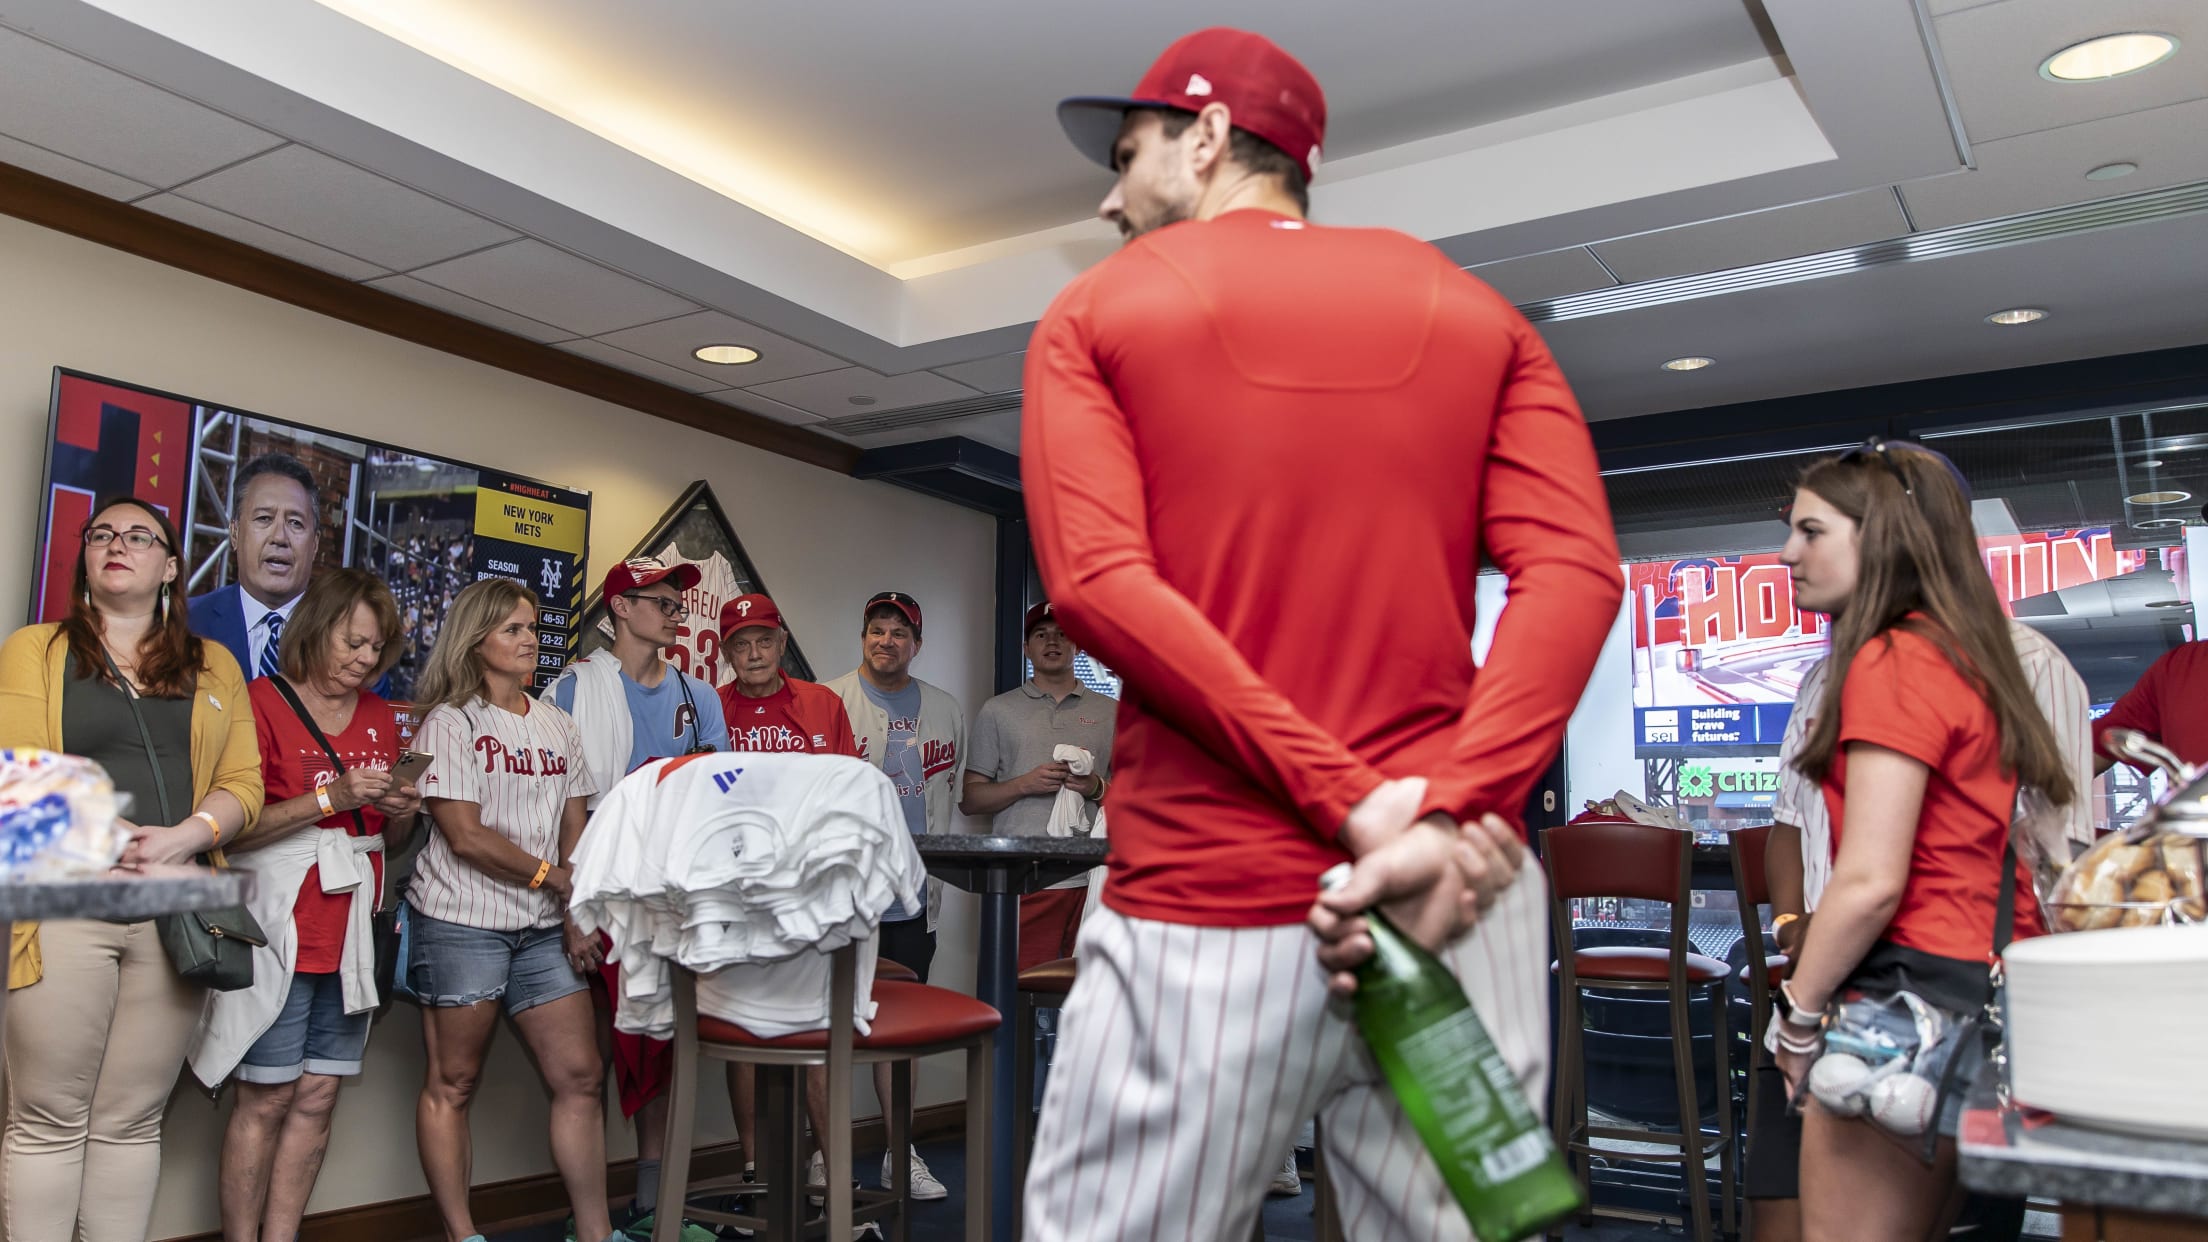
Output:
x=1688 y=364
x=2016 y=315
x=726 y=355
x=860 y=400
x=2110 y=56
x=2158 y=498
x=2157 y=524
x=2110 y=172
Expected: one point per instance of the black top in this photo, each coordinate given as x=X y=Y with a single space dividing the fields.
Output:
x=96 y=723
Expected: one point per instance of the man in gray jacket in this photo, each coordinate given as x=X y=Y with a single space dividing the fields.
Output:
x=916 y=734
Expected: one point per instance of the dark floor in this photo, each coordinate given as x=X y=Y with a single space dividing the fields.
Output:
x=1286 y=1220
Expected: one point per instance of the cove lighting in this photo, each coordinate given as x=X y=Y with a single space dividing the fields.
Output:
x=2158 y=498
x=2016 y=315
x=726 y=355
x=1688 y=364
x=2110 y=56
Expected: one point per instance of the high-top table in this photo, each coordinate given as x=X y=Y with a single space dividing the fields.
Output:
x=999 y=870
x=117 y=895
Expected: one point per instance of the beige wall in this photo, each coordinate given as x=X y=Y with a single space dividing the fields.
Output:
x=822 y=543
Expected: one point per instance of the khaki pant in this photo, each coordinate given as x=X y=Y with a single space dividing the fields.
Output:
x=93 y=1049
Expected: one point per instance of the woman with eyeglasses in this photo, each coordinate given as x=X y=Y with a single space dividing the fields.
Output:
x=487 y=925
x=98 y=1022
x=1927 y=725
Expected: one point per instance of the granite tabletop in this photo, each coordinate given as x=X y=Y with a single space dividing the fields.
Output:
x=961 y=847
x=124 y=894
x=2014 y=1150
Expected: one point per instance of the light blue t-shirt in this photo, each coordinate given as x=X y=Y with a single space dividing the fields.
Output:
x=662 y=723
x=901 y=763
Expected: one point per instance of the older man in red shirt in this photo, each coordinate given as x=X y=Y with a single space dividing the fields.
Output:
x=1263 y=460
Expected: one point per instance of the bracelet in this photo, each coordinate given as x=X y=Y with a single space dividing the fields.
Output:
x=322 y=799
x=1794 y=1008
x=213 y=825
x=544 y=868
x=1800 y=1047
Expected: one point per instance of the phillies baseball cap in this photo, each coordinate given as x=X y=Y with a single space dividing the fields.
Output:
x=746 y=611
x=906 y=606
x=1267 y=92
x=642 y=571
x=1036 y=616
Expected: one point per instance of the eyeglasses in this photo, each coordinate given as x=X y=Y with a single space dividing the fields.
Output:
x=1877 y=447
x=672 y=609
x=137 y=538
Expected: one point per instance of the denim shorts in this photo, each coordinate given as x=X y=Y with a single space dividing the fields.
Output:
x=450 y=964
x=312 y=1034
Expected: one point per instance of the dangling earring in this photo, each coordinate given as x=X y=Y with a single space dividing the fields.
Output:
x=162 y=617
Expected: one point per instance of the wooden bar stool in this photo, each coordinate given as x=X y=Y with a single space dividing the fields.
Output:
x=1042 y=986
x=1617 y=858
x=911 y=1020
x=1762 y=972
x=889 y=971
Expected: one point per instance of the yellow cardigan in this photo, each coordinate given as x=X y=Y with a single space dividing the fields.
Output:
x=226 y=752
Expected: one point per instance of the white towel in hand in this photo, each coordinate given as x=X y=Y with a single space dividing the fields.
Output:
x=1071 y=810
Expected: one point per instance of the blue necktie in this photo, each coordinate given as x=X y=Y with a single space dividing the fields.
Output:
x=275 y=623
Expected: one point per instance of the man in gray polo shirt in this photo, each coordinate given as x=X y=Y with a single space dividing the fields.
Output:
x=1012 y=773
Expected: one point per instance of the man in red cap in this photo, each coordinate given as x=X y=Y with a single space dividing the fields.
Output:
x=769 y=710
x=1263 y=460
x=632 y=707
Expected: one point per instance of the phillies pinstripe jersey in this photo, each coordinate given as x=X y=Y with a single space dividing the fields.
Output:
x=519 y=771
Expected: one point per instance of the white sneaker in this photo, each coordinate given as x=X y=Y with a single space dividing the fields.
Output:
x=816 y=1179
x=924 y=1186
x=1286 y=1181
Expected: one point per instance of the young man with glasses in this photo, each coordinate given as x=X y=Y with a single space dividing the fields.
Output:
x=632 y=707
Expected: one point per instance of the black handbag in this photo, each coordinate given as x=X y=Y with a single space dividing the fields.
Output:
x=383 y=925
x=212 y=948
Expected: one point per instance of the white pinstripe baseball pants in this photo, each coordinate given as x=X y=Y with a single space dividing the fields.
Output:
x=1189 y=1057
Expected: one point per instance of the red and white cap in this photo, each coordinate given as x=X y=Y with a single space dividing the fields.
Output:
x=906 y=606
x=1266 y=91
x=639 y=572
x=1036 y=616
x=746 y=611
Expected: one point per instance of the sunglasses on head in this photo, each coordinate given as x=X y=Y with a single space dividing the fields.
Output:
x=1877 y=447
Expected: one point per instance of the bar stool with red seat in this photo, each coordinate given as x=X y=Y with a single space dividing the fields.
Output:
x=891 y=971
x=911 y=1020
x=1044 y=985
x=1604 y=857
x=1763 y=971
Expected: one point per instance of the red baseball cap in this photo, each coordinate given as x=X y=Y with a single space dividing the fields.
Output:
x=747 y=611
x=642 y=571
x=906 y=606
x=1036 y=616
x=1267 y=91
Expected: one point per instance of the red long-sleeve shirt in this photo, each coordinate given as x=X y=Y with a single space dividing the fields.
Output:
x=1262 y=461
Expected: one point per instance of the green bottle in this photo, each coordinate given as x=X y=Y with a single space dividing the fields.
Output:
x=1460 y=1095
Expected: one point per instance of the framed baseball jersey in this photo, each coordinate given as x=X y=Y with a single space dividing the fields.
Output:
x=695 y=531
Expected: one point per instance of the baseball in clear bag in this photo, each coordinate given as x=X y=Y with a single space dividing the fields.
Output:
x=1896 y=1060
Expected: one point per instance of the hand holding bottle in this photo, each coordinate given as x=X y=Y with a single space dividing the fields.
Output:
x=1433 y=880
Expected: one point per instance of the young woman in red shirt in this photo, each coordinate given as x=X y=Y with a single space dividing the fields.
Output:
x=1927 y=726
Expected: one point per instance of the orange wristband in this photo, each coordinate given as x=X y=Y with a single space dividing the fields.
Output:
x=213 y=825
x=544 y=868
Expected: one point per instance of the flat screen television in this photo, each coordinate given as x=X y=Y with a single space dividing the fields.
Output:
x=427 y=525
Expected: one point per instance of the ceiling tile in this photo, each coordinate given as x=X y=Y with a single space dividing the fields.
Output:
x=69 y=105
x=1537 y=277
x=468 y=308
x=829 y=393
x=673 y=341
x=2033 y=172
x=260 y=236
x=1758 y=237
x=556 y=287
x=601 y=352
x=1993 y=56
x=1939 y=8
x=308 y=194
x=1003 y=373
x=76 y=172
x=765 y=406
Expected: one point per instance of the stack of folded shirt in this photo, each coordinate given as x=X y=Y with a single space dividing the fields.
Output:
x=750 y=869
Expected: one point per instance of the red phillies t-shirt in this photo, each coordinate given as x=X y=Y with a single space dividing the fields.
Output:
x=293 y=764
x=2170 y=704
x=802 y=717
x=1902 y=694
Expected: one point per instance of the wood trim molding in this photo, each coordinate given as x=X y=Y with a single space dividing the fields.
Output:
x=529 y=1201
x=65 y=208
